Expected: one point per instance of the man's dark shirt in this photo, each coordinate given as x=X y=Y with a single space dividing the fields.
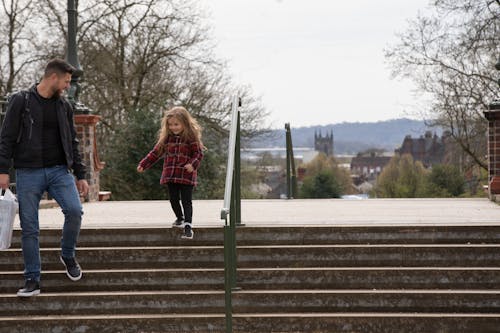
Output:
x=52 y=149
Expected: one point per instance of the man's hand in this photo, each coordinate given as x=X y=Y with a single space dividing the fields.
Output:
x=189 y=168
x=83 y=187
x=4 y=181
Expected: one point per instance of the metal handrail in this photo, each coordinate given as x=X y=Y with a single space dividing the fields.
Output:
x=231 y=209
x=230 y=160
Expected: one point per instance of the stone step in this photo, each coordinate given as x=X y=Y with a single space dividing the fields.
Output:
x=366 y=322
x=124 y=258
x=292 y=279
x=269 y=256
x=117 y=303
x=369 y=255
x=262 y=301
x=120 y=280
x=258 y=322
x=134 y=323
x=369 y=278
x=262 y=278
x=452 y=234
x=331 y=301
x=121 y=237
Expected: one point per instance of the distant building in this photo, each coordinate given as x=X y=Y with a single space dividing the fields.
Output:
x=324 y=144
x=367 y=166
x=428 y=149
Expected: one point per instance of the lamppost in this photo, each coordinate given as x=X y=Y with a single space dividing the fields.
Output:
x=72 y=58
x=85 y=122
x=495 y=105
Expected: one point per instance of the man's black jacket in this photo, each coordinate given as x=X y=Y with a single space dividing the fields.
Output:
x=28 y=152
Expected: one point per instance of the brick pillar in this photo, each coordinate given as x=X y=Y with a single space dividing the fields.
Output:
x=493 y=116
x=85 y=129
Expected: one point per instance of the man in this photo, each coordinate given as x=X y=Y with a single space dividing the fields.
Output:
x=38 y=133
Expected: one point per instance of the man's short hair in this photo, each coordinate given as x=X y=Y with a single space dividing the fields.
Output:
x=59 y=67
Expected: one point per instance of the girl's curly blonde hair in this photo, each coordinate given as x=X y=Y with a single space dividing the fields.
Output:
x=191 y=133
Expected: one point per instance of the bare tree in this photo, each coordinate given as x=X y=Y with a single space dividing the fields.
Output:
x=148 y=55
x=208 y=93
x=18 y=49
x=450 y=54
x=139 y=58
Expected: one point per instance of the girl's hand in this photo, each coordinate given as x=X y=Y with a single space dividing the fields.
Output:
x=189 y=168
x=140 y=169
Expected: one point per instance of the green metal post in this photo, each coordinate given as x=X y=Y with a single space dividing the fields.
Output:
x=291 y=176
x=232 y=207
x=237 y=174
x=288 y=165
x=235 y=211
x=232 y=239
x=292 y=165
x=227 y=280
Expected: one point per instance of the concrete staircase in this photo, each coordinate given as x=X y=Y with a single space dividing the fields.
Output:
x=292 y=279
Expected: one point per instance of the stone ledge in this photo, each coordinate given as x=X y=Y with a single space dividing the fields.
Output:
x=48 y=204
x=104 y=195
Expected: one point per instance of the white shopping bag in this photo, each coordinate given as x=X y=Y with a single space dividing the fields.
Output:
x=8 y=209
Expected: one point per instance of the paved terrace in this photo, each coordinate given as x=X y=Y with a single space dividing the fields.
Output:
x=289 y=212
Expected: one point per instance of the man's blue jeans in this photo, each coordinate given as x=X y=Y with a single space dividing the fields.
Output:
x=30 y=186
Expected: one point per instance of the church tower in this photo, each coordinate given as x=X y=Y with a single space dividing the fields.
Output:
x=324 y=144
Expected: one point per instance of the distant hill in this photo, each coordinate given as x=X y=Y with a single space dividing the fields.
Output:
x=350 y=138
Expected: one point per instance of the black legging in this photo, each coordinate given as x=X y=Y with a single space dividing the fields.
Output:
x=184 y=193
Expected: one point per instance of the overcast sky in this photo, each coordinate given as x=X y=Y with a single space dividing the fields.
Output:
x=316 y=62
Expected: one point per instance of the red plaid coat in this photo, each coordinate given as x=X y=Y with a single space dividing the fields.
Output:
x=177 y=154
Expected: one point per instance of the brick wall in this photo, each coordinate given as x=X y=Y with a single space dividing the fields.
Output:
x=493 y=116
x=85 y=127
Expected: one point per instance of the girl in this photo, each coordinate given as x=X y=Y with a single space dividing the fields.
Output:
x=179 y=141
